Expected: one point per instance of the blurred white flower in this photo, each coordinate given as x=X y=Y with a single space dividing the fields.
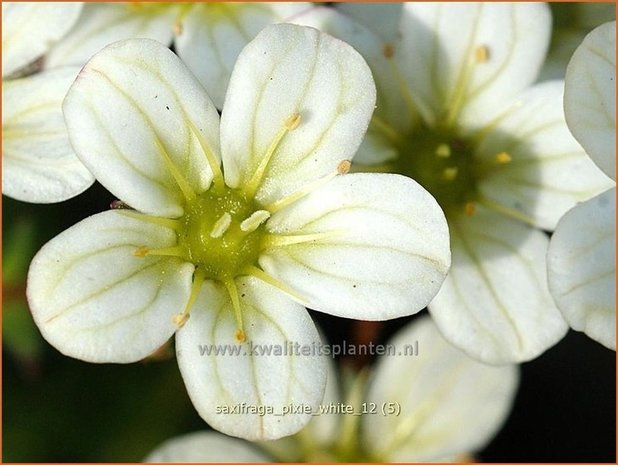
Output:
x=437 y=406
x=582 y=252
x=458 y=112
x=207 y=36
x=223 y=248
x=38 y=163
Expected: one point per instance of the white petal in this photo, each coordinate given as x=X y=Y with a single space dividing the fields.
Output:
x=286 y=70
x=495 y=304
x=384 y=254
x=440 y=49
x=133 y=106
x=94 y=300
x=375 y=41
x=250 y=378
x=590 y=96
x=549 y=172
x=208 y=447
x=212 y=36
x=38 y=162
x=449 y=403
x=582 y=267
x=29 y=29
x=104 y=23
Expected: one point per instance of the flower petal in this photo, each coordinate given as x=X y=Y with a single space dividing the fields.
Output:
x=590 y=96
x=94 y=300
x=38 y=162
x=212 y=36
x=495 y=304
x=250 y=378
x=288 y=70
x=104 y=23
x=549 y=172
x=384 y=250
x=463 y=60
x=29 y=29
x=582 y=268
x=208 y=447
x=133 y=111
x=449 y=403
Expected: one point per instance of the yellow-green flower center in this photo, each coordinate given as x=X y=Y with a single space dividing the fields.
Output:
x=221 y=232
x=442 y=163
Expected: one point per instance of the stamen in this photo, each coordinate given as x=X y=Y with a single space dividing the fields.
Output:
x=268 y=279
x=469 y=208
x=507 y=211
x=481 y=54
x=342 y=168
x=167 y=222
x=254 y=221
x=233 y=292
x=388 y=50
x=443 y=151
x=144 y=251
x=178 y=28
x=503 y=158
x=211 y=158
x=183 y=184
x=198 y=279
x=221 y=226
x=290 y=124
x=449 y=174
x=119 y=205
x=276 y=240
x=141 y=251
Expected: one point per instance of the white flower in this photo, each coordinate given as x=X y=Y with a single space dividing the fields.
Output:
x=582 y=252
x=38 y=163
x=444 y=406
x=207 y=36
x=456 y=112
x=221 y=243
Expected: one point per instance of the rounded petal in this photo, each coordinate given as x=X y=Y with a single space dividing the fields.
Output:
x=381 y=248
x=462 y=60
x=582 y=268
x=38 y=162
x=495 y=304
x=263 y=373
x=448 y=404
x=212 y=36
x=590 y=96
x=134 y=112
x=29 y=29
x=290 y=70
x=206 y=447
x=103 y=23
x=549 y=172
x=94 y=300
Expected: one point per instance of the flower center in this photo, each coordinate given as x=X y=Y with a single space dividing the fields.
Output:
x=221 y=232
x=442 y=163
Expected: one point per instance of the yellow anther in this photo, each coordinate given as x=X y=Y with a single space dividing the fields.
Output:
x=344 y=166
x=221 y=226
x=240 y=336
x=388 y=50
x=443 y=151
x=469 y=208
x=254 y=221
x=293 y=121
x=141 y=251
x=178 y=28
x=180 y=319
x=481 y=54
x=450 y=174
x=503 y=158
